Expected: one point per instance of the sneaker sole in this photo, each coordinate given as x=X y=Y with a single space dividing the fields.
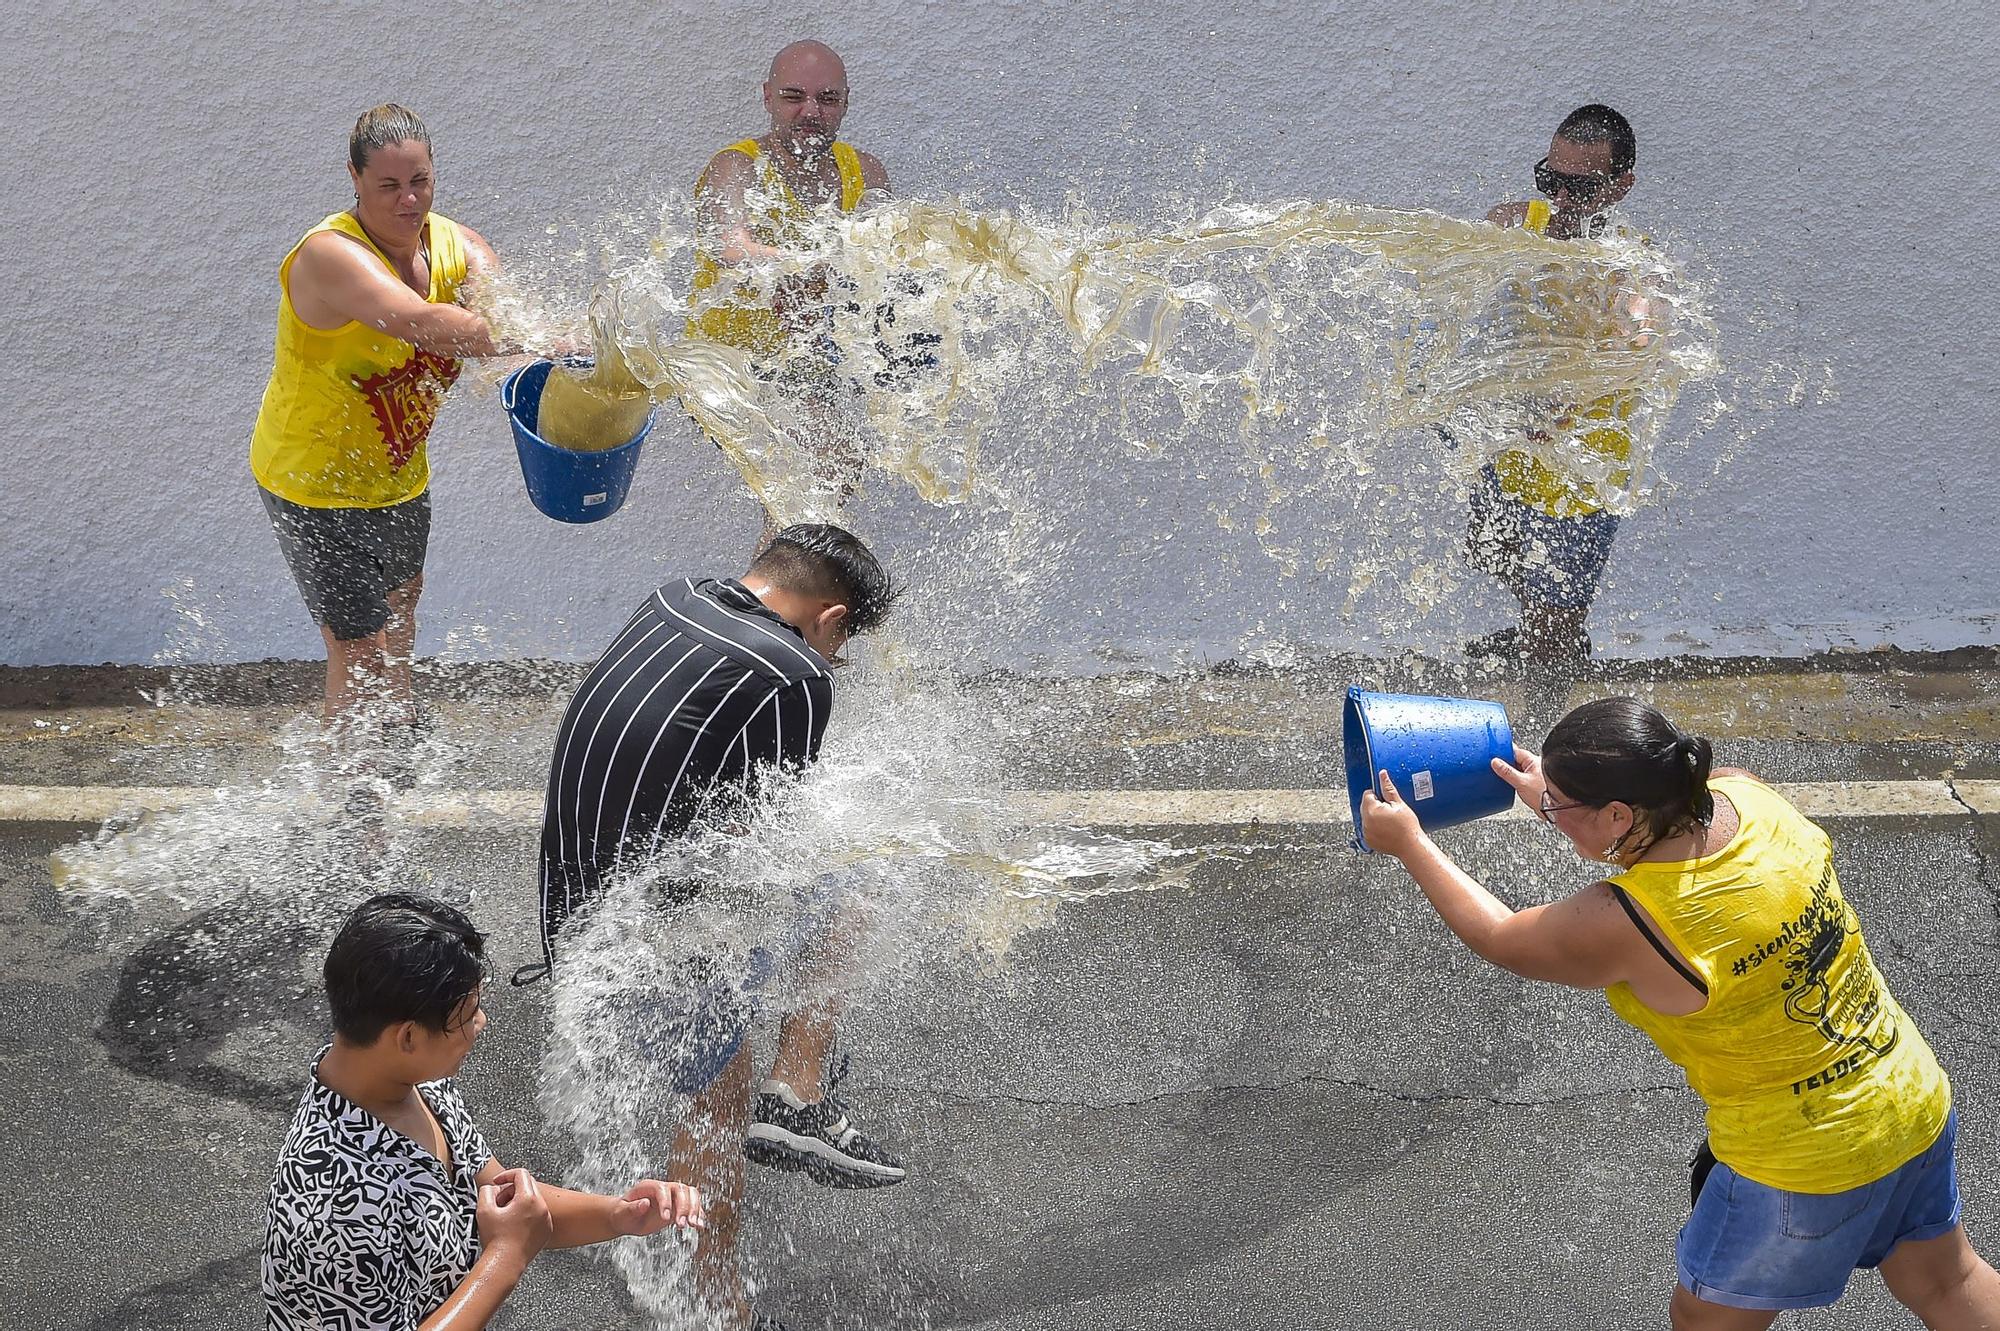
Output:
x=775 y=1148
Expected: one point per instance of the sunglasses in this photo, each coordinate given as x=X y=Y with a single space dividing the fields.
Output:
x=1582 y=188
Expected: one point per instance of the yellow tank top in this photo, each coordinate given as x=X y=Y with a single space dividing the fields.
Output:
x=347 y=412
x=1815 y=1079
x=1599 y=427
x=745 y=322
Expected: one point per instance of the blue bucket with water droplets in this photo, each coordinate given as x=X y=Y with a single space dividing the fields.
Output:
x=1438 y=751
x=567 y=484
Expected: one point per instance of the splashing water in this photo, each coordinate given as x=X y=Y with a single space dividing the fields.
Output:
x=869 y=879
x=1362 y=321
x=1304 y=335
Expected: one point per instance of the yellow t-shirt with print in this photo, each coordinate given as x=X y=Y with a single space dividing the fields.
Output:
x=740 y=319
x=1815 y=1079
x=347 y=413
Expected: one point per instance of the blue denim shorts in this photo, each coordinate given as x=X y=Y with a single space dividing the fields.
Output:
x=1749 y=1246
x=692 y=1028
x=1555 y=562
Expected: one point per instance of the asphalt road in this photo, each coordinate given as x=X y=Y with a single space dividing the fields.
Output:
x=1279 y=1096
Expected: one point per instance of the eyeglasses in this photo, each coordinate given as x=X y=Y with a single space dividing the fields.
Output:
x=1582 y=188
x=1549 y=811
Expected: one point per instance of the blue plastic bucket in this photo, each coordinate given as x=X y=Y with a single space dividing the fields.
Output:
x=568 y=485
x=1438 y=751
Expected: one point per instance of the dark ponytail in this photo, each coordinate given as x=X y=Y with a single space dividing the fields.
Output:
x=1621 y=749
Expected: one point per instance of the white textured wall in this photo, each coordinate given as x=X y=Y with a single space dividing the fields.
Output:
x=1832 y=164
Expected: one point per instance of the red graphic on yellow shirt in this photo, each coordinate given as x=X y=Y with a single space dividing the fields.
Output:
x=406 y=400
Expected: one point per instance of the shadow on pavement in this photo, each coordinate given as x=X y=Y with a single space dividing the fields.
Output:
x=189 y=1000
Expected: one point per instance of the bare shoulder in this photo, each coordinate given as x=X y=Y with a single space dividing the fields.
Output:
x=331 y=255
x=1602 y=917
x=478 y=250
x=473 y=238
x=1596 y=900
x=730 y=166
x=874 y=175
x=1508 y=214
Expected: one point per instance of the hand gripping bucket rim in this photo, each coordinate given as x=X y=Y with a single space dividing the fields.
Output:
x=1437 y=750
x=567 y=484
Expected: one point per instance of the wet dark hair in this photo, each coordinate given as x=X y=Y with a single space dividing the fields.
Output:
x=381 y=126
x=402 y=958
x=1597 y=123
x=820 y=559
x=1621 y=749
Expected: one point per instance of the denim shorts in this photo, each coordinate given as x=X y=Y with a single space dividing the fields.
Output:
x=1749 y=1246
x=1551 y=561
x=692 y=1027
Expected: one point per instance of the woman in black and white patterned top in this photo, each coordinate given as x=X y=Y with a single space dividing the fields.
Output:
x=387 y=1211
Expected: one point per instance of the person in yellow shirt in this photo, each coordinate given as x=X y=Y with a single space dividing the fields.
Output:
x=371 y=333
x=1722 y=935
x=1538 y=529
x=753 y=203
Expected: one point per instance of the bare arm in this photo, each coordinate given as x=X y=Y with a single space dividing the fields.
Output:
x=480 y=260
x=1508 y=214
x=335 y=281
x=1583 y=940
x=478 y=1297
x=874 y=176
x=651 y=1206
x=578 y=1218
x=723 y=213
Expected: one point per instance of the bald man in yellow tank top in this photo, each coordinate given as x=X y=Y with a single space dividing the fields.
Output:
x=795 y=168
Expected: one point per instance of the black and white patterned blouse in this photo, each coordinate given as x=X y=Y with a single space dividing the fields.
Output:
x=366 y=1230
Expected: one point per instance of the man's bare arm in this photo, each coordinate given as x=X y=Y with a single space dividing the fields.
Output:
x=874 y=176
x=723 y=212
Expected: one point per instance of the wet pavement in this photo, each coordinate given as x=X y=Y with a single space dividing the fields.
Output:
x=1281 y=1096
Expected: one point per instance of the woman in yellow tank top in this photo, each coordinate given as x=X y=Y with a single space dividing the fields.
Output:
x=370 y=335
x=1723 y=936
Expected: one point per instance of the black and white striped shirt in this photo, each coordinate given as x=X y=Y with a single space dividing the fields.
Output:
x=703 y=690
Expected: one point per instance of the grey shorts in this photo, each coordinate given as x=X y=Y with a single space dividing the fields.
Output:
x=347 y=560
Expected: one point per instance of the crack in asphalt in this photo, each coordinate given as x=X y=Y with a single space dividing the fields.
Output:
x=1982 y=862
x=1387 y=1092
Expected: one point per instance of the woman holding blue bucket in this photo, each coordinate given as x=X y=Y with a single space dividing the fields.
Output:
x=1723 y=936
x=371 y=332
